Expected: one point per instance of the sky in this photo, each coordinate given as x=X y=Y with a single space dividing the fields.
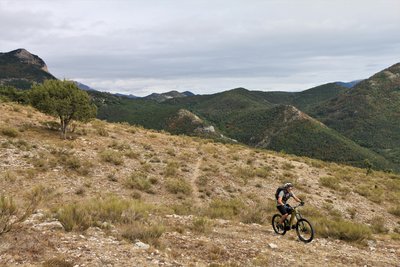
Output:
x=205 y=46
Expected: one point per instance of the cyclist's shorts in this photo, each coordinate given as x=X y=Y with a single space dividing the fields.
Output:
x=283 y=209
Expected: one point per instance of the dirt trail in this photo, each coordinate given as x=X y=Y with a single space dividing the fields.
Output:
x=194 y=177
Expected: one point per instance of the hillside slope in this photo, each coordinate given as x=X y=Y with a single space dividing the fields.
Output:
x=252 y=118
x=369 y=113
x=119 y=195
x=285 y=128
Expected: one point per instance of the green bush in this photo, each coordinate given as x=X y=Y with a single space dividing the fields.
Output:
x=178 y=185
x=201 y=225
x=138 y=180
x=94 y=212
x=330 y=182
x=171 y=169
x=143 y=232
x=224 y=208
x=395 y=210
x=10 y=132
x=112 y=157
x=378 y=225
x=340 y=229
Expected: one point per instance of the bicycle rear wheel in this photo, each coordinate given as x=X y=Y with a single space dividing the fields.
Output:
x=304 y=230
x=275 y=221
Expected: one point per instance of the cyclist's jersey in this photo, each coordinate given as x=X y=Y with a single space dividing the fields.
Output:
x=285 y=195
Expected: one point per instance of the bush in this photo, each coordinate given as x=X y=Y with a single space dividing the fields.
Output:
x=112 y=157
x=395 y=211
x=224 y=208
x=245 y=173
x=57 y=262
x=178 y=185
x=11 y=214
x=10 y=132
x=94 y=212
x=138 y=180
x=340 y=229
x=378 y=225
x=201 y=225
x=145 y=233
x=253 y=215
x=171 y=169
x=330 y=182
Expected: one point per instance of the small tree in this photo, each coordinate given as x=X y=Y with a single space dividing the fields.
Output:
x=369 y=166
x=62 y=99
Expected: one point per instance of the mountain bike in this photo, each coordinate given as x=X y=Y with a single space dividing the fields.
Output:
x=304 y=229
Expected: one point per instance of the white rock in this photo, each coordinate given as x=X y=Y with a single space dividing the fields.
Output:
x=54 y=225
x=142 y=245
x=272 y=245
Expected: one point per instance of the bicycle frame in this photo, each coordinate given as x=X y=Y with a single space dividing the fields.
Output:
x=294 y=215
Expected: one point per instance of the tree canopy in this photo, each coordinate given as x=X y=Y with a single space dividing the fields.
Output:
x=62 y=99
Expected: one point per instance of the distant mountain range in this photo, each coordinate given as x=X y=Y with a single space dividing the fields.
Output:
x=341 y=122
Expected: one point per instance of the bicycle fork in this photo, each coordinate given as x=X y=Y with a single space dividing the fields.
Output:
x=293 y=218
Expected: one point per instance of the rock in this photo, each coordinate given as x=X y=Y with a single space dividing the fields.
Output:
x=54 y=225
x=141 y=245
x=272 y=245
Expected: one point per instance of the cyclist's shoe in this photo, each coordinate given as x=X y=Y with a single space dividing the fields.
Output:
x=293 y=226
x=287 y=227
x=280 y=226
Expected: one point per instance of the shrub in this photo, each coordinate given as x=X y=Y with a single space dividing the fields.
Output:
x=132 y=154
x=138 y=180
x=263 y=172
x=10 y=132
x=145 y=233
x=372 y=193
x=171 y=169
x=102 y=132
x=340 y=229
x=11 y=214
x=57 y=262
x=178 y=185
x=201 y=225
x=245 y=173
x=330 y=182
x=395 y=211
x=82 y=215
x=224 y=208
x=253 y=215
x=378 y=225
x=112 y=157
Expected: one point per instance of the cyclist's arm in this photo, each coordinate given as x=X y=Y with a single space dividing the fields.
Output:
x=280 y=202
x=296 y=198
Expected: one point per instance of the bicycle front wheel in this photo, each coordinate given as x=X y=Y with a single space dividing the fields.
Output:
x=304 y=230
x=275 y=221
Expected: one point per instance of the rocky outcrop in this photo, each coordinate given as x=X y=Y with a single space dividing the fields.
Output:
x=20 y=68
x=29 y=58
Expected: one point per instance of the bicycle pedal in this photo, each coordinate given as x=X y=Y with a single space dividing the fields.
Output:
x=287 y=227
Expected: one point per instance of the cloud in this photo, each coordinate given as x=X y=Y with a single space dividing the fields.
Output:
x=145 y=45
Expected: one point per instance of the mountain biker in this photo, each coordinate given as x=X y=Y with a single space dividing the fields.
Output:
x=282 y=195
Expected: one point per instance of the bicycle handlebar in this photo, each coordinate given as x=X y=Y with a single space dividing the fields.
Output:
x=298 y=205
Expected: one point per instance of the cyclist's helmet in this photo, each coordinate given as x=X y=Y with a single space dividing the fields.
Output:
x=288 y=185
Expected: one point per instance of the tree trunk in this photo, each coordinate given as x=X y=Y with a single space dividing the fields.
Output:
x=64 y=125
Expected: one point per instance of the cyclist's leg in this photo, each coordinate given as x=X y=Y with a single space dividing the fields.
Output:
x=283 y=211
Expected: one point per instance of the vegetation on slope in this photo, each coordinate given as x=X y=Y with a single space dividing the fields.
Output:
x=117 y=184
x=369 y=113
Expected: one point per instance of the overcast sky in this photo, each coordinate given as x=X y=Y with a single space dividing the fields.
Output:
x=140 y=47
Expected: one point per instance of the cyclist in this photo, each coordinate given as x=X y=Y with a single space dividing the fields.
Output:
x=282 y=195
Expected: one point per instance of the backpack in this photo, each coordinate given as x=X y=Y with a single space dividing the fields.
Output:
x=278 y=191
